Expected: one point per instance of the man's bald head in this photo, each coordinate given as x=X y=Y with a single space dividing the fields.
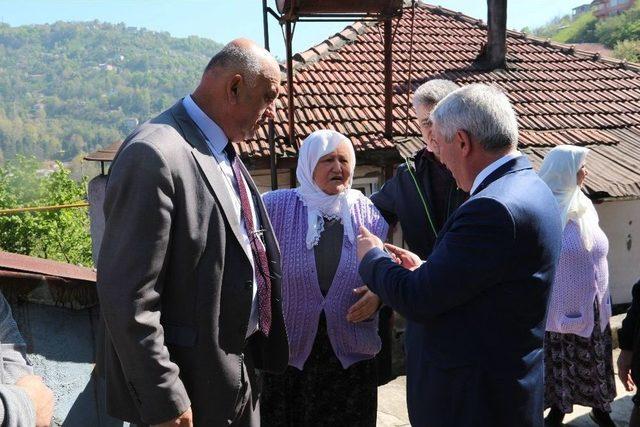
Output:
x=239 y=88
x=246 y=58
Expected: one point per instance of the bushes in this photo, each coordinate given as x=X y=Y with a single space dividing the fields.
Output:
x=582 y=30
x=619 y=28
x=628 y=49
x=61 y=235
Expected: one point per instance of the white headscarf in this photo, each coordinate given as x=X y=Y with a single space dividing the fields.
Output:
x=559 y=170
x=319 y=203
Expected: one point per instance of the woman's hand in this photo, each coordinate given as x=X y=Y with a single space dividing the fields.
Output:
x=624 y=369
x=365 y=307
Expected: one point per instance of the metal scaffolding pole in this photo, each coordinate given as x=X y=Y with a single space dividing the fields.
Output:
x=271 y=128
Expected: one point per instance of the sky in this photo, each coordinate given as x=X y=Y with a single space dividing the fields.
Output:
x=224 y=20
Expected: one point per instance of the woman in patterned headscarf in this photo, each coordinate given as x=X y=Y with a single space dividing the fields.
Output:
x=578 y=358
x=330 y=316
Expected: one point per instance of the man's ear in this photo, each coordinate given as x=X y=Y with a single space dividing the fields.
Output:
x=233 y=88
x=464 y=140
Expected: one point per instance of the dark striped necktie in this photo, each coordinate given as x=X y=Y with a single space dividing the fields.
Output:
x=263 y=277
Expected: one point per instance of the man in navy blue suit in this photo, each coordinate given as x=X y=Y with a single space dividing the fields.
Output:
x=477 y=305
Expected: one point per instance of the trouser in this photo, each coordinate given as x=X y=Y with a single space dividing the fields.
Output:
x=248 y=404
x=247 y=407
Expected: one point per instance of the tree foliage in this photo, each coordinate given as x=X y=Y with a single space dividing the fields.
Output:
x=61 y=235
x=625 y=26
x=581 y=30
x=69 y=88
x=621 y=32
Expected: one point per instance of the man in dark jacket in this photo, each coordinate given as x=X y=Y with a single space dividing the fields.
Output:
x=421 y=196
x=423 y=193
x=629 y=359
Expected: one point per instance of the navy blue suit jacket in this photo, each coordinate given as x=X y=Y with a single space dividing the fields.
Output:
x=477 y=306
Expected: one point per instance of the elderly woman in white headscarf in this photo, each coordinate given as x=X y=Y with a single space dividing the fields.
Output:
x=578 y=359
x=330 y=316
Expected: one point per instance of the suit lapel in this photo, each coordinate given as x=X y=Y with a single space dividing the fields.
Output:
x=209 y=169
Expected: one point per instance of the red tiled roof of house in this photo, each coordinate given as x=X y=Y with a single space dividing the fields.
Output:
x=561 y=95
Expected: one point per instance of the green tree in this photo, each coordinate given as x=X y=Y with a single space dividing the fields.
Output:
x=619 y=28
x=61 y=235
x=581 y=30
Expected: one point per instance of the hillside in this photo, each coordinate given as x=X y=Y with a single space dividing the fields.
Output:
x=67 y=88
x=620 y=33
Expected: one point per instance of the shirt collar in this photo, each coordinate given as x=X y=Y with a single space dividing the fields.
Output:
x=212 y=132
x=492 y=167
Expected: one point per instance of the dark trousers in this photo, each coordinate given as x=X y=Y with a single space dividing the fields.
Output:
x=247 y=404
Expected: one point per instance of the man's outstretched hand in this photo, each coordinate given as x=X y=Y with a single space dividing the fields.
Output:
x=184 y=420
x=366 y=242
x=405 y=258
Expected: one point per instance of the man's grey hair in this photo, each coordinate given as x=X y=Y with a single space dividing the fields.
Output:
x=483 y=111
x=432 y=92
x=247 y=62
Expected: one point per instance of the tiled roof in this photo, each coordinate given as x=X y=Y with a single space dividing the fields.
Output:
x=561 y=95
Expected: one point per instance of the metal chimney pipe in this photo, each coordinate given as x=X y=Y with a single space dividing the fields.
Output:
x=496 y=48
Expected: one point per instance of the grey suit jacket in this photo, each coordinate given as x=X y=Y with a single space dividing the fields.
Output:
x=175 y=283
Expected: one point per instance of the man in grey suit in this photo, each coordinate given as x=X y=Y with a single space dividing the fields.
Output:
x=189 y=269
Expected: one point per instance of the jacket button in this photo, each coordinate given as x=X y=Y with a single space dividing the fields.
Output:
x=248 y=285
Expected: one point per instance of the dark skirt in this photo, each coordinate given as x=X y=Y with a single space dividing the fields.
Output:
x=323 y=393
x=578 y=370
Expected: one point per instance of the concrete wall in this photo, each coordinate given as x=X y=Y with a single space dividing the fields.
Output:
x=620 y=221
x=61 y=345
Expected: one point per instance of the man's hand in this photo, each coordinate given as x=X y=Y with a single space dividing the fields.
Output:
x=366 y=242
x=184 y=420
x=365 y=307
x=405 y=258
x=624 y=369
x=41 y=396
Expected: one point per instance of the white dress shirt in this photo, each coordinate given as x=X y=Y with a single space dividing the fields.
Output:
x=217 y=141
x=484 y=173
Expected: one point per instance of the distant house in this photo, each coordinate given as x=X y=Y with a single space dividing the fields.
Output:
x=107 y=67
x=605 y=8
x=561 y=95
x=581 y=9
x=131 y=123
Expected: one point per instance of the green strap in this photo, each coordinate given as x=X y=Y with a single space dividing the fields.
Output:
x=424 y=202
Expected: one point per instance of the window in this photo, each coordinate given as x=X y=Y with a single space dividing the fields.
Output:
x=367 y=186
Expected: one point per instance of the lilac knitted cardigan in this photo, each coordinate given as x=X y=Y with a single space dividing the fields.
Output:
x=302 y=299
x=582 y=277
